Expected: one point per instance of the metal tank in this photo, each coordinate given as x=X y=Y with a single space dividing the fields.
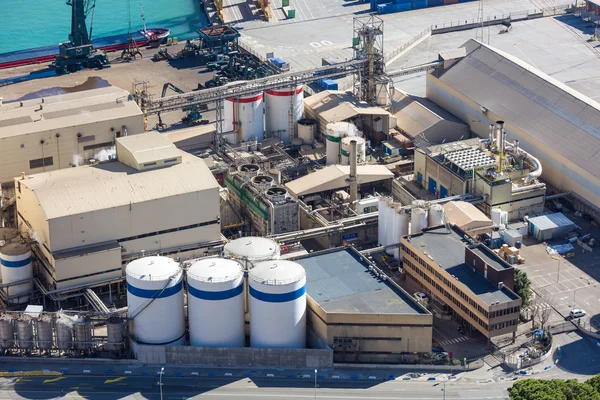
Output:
x=496 y=216
x=284 y=107
x=15 y=260
x=44 y=336
x=251 y=249
x=216 y=303
x=361 y=156
x=381 y=220
x=277 y=305
x=64 y=333
x=418 y=219
x=244 y=115
x=114 y=332
x=436 y=215
x=403 y=225
x=25 y=333
x=334 y=133
x=155 y=300
x=389 y=228
x=262 y=182
x=307 y=128
x=83 y=334
x=396 y=231
x=7 y=332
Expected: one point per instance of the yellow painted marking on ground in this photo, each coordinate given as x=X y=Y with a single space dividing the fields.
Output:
x=119 y=379
x=22 y=380
x=55 y=379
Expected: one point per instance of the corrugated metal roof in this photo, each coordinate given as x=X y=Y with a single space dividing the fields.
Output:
x=550 y=221
x=337 y=106
x=334 y=177
x=546 y=109
x=90 y=188
x=149 y=147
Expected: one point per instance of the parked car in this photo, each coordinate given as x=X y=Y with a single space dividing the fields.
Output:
x=574 y=314
x=421 y=297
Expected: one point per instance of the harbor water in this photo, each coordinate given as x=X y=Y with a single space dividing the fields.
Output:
x=28 y=24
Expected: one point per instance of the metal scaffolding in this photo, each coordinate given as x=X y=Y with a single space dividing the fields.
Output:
x=368 y=47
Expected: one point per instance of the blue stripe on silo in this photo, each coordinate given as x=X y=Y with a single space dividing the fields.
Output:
x=277 y=297
x=154 y=294
x=15 y=264
x=222 y=295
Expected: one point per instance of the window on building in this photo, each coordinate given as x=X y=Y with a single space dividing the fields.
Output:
x=149 y=164
x=97 y=146
x=41 y=162
x=84 y=139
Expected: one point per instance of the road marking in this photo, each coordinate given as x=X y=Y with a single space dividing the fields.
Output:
x=270 y=376
x=127 y=372
x=228 y=374
x=119 y=379
x=195 y=374
x=86 y=371
x=55 y=379
x=372 y=377
x=22 y=380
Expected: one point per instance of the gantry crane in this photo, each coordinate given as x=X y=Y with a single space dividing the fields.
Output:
x=78 y=52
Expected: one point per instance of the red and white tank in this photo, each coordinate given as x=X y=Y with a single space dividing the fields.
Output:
x=244 y=115
x=284 y=108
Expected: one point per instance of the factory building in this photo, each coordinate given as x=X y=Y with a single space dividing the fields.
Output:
x=269 y=207
x=464 y=279
x=553 y=122
x=505 y=180
x=50 y=133
x=88 y=221
x=360 y=313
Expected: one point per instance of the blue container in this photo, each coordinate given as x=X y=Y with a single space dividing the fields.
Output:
x=402 y=1
x=385 y=8
x=403 y=6
x=331 y=84
x=419 y=4
x=433 y=3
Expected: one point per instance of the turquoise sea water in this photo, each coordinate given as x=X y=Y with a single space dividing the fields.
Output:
x=34 y=23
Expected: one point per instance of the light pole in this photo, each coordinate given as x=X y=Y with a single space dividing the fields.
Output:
x=162 y=371
x=558 y=272
x=315 y=384
x=444 y=390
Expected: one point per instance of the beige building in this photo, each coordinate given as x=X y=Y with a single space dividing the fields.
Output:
x=55 y=132
x=553 y=122
x=90 y=220
x=362 y=317
x=465 y=280
x=467 y=217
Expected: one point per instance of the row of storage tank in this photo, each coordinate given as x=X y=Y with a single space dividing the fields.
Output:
x=274 y=111
x=250 y=275
x=395 y=221
x=338 y=136
x=61 y=332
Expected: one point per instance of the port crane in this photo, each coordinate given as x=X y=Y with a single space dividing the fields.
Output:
x=78 y=52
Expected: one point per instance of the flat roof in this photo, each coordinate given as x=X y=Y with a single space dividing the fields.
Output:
x=447 y=249
x=550 y=221
x=88 y=188
x=340 y=282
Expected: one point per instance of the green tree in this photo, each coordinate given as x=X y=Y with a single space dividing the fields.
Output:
x=594 y=382
x=523 y=286
x=554 y=389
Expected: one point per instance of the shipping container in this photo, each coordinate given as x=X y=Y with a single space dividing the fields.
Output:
x=433 y=3
x=446 y=2
x=402 y=1
x=419 y=4
x=403 y=6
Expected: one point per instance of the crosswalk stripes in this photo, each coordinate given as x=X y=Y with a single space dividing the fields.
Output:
x=454 y=341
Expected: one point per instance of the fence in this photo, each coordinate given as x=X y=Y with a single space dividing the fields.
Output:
x=406 y=45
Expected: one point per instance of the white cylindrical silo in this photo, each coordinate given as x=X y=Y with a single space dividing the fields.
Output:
x=284 y=107
x=436 y=215
x=396 y=231
x=216 y=303
x=278 y=305
x=333 y=135
x=360 y=149
x=496 y=216
x=389 y=226
x=381 y=220
x=504 y=218
x=403 y=221
x=307 y=129
x=418 y=219
x=244 y=115
x=251 y=249
x=155 y=301
x=15 y=260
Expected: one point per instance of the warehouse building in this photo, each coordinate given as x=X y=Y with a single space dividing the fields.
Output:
x=55 y=132
x=553 y=122
x=467 y=279
x=90 y=220
x=360 y=313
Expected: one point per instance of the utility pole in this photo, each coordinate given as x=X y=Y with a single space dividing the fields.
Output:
x=315 y=384
x=162 y=371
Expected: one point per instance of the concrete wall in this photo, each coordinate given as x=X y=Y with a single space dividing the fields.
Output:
x=90 y=268
x=234 y=357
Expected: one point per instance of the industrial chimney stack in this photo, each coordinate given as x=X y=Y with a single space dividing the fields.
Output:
x=353 y=182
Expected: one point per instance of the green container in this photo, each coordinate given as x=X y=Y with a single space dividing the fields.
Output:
x=285 y=3
x=291 y=14
x=355 y=41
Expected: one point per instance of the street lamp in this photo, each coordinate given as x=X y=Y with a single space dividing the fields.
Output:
x=315 y=384
x=162 y=371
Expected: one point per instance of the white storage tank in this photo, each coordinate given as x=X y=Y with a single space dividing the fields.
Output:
x=436 y=215
x=396 y=231
x=216 y=303
x=389 y=227
x=418 y=220
x=496 y=216
x=15 y=260
x=244 y=115
x=155 y=300
x=381 y=220
x=278 y=305
x=284 y=107
x=307 y=129
x=403 y=223
x=361 y=155
x=251 y=249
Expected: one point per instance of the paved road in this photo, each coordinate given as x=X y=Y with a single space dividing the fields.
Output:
x=101 y=388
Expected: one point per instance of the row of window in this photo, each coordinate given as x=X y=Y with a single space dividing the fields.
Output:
x=408 y=265
x=502 y=325
x=446 y=282
x=49 y=161
x=506 y=311
x=181 y=228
